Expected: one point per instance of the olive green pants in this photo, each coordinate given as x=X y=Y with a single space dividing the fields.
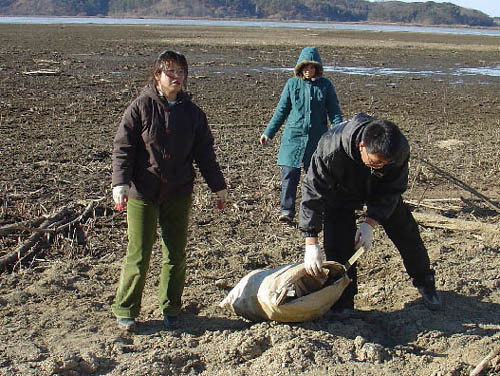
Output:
x=143 y=218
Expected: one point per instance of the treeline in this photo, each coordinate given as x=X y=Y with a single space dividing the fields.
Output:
x=54 y=7
x=428 y=13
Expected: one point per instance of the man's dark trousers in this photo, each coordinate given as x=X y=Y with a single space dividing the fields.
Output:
x=401 y=228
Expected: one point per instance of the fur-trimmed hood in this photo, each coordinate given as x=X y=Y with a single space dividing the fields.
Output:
x=309 y=55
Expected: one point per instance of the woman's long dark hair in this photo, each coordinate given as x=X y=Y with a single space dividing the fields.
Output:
x=163 y=61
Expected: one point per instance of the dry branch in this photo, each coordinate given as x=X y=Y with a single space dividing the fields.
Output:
x=462 y=185
x=23 y=195
x=79 y=234
x=42 y=72
x=57 y=223
x=26 y=246
x=28 y=225
x=33 y=229
x=439 y=221
x=54 y=227
x=86 y=213
x=485 y=362
x=435 y=207
x=442 y=199
x=19 y=253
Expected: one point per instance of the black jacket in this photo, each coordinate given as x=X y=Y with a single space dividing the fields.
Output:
x=338 y=177
x=156 y=145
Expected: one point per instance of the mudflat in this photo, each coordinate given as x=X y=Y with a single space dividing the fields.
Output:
x=63 y=89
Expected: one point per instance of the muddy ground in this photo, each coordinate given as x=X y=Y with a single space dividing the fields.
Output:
x=55 y=151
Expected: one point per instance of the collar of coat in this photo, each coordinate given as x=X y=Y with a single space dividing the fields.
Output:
x=152 y=92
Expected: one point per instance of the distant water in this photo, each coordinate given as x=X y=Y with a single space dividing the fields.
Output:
x=295 y=25
x=493 y=71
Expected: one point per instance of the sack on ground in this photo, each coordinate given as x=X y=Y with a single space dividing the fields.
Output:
x=287 y=293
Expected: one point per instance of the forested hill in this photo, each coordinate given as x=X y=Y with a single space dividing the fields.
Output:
x=428 y=13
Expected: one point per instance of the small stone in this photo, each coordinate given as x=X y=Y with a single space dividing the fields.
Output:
x=371 y=352
x=359 y=342
x=222 y=283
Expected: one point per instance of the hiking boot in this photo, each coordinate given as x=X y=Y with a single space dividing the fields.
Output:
x=170 y=322
x=430 y=297
x=427 y=288
x=285 y=218
x=126 y=323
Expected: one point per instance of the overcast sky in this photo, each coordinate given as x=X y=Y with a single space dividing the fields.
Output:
x=490 y=7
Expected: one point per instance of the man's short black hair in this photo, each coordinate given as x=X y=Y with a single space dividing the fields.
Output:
x=382 y=137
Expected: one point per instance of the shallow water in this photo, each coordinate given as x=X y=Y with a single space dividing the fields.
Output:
x=272 y=24
x=377 y=71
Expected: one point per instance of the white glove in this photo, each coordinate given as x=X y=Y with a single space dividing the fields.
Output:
x=364 y=236
x=263 y=139
x=120 y=196
x=221 y=198
x=313 y=260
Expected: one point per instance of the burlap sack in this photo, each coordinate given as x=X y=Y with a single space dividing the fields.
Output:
x=287 y=293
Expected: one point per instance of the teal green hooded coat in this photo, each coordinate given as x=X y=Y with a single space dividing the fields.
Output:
x=305 y=105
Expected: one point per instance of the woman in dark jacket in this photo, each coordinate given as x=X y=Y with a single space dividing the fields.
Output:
x=307 y=102
x=161 y=135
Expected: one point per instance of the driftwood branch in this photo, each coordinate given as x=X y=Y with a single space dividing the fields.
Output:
x=54 y=227
x=86 y=213
x=42 y=72
x=62 y=221
x=435 y=207
x=23 y=195
x=462 y=185
x=485 y=362
x=33 y=229
x=26 y=246
x=79 y=234
x=439 y=221
x=442 y=199
x=470 y=203
x=28 y=225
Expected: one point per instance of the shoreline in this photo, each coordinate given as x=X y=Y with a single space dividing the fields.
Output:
x=252 y=20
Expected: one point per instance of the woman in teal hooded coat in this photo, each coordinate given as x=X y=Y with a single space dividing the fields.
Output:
x=307 y=100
